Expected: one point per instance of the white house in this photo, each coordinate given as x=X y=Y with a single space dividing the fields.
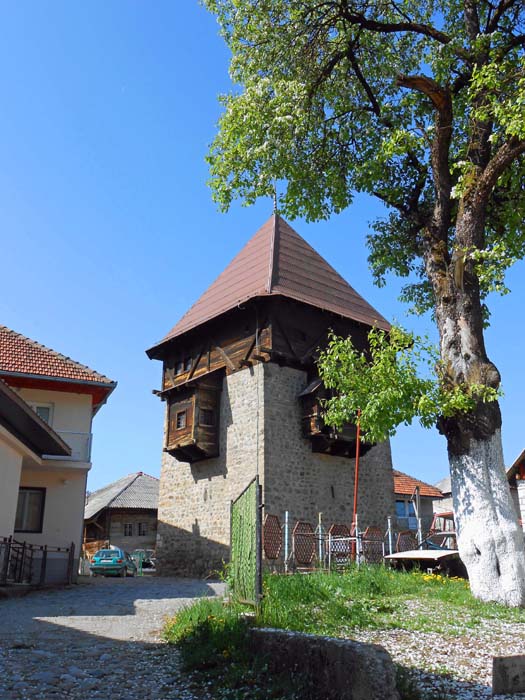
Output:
x=43 y=490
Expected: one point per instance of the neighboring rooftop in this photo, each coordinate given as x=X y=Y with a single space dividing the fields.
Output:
x=444 y=486
x=26 y=363
x=277 y=261
x=21 y=355
x=137 y=490
x=405 y=485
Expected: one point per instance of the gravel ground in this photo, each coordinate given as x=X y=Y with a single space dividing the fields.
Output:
x=98 y=639
x=459 y=667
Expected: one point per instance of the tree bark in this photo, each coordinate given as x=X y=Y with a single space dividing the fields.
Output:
x=490 y=540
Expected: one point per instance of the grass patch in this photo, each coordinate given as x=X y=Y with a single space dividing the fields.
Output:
x=213 y=637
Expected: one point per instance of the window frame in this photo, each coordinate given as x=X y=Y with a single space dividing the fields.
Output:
x=183 y=412
x=142 y=530
x=125 y=526
x=35 y=405
x=42 y=490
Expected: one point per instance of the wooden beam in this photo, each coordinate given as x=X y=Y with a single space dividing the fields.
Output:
x=313 y=346
x=225 y=357
x=244 y=360
x=287 y=340
x=195 y=363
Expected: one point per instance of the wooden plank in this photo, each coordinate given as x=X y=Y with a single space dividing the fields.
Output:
x=225 y=357
x=313 y=346
x=195 y=363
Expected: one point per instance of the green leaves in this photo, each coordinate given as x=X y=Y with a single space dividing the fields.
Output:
x=398 y=380
x=318 y=107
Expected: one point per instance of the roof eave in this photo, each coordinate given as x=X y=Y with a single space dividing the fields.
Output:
x=110 y=385
x=155 y=351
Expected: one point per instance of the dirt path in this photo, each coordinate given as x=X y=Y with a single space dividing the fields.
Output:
x=98 y=639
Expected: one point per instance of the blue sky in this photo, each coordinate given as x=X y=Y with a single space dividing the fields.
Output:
x=107 y=228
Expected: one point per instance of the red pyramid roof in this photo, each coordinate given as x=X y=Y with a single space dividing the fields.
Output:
x=278 y=261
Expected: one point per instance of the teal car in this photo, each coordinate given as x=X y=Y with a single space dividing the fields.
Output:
x=112 y=562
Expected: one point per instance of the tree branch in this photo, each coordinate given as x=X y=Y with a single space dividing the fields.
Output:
x=410 y=27
x=500 y=10
x=440 y=148
x=504 y=156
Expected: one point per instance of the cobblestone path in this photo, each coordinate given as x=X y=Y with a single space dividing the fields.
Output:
x=97 y=639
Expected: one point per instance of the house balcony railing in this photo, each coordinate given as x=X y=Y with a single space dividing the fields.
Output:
x=80 y=444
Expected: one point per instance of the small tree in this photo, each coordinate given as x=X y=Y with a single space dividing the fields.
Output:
x=422 y=104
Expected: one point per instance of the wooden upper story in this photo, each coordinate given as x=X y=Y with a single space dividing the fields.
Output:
x=277 y=301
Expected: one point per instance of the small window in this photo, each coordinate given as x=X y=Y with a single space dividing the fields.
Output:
x=179 y=367
x=30 y=510
x=180 y=420
x=187 y=364
x=206 y=417
x=128 y=529
x=142 y=529
x=43 y=411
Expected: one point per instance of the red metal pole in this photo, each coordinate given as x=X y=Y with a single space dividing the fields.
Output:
x=356 y=476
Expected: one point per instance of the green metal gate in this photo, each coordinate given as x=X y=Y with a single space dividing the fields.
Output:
x=246 y=545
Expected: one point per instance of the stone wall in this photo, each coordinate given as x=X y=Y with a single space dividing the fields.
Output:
x=194 y=499
x=305 y=483
x=260 y=419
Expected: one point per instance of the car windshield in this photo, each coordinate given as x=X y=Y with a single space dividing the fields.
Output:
x=105 y=553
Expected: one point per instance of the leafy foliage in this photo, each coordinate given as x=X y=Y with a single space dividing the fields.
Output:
x=334 y=98
x=398 y=379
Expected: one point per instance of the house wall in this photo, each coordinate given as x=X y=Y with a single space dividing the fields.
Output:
x=442 y=505
x=260 y=423
x=117 y=520
x=63 y=509
x=71 y=412
x=10 y=468
x=426 y=514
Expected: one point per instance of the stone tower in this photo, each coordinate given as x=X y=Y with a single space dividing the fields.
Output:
x=242 y=397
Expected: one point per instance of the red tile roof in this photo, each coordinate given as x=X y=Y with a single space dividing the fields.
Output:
x=277 y=261
x=405 y=485
x=22 y=356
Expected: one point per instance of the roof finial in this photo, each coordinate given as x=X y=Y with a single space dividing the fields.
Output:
x=274 y=197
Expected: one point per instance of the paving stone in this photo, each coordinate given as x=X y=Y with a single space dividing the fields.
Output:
x=102 y=637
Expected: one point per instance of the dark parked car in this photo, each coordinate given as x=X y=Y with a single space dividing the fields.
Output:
x=112 y=562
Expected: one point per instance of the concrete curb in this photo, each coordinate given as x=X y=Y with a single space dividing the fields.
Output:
x=339 y=669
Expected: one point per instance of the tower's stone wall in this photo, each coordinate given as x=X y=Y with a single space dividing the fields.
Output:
x=193 y=533
x=307 y=483
x=261 y=419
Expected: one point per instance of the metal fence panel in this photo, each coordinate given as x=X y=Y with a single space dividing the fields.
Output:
x=246 y=545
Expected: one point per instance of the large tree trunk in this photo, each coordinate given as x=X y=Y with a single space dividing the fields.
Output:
x=490 y=540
